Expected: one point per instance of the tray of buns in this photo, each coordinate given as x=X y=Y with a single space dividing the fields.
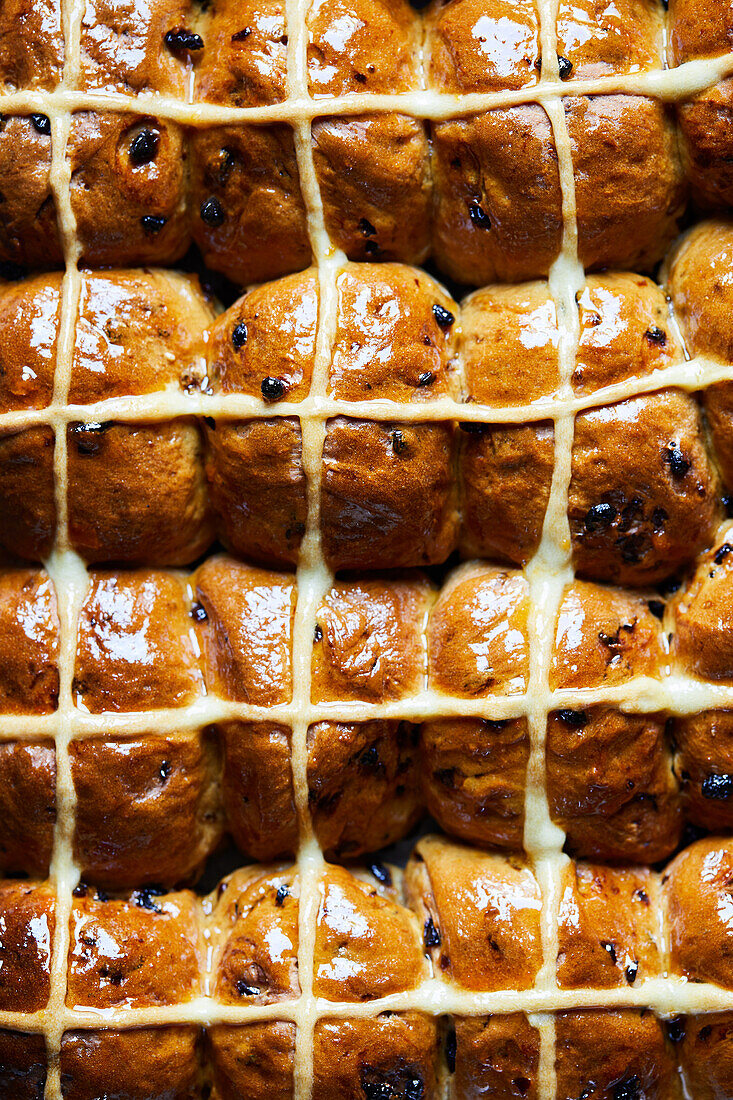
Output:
x=366 y=549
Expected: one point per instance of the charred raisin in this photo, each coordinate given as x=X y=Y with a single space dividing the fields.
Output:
x=144 y=147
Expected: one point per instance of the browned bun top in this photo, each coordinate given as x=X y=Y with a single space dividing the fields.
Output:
x=601 y=38
x=244 y=59
x=483 y=46
x=31 y=44
x=477 y=634
x=481 y=914
x=135 y=650
x=696 y=891
x=362 y=46
x=142 y=951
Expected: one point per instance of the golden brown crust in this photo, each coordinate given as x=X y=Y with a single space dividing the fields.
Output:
x=496 y=181
x=27 y=807
x=505 y=476
x=137 y=493
x=254 y=468
x=29 y=679
x=473 y=775
x=703 y=764
x=496 y=1056
x=702 y=641
x=697 y=273
x=695 y=31
x=698 y=30
x=629 y=186
x=142 y=952
x=27 y=498
x=373 y=172
x=255 y=229
x=26 y=935
x=28 y=229
x=122 y=46
x=608 y=927
x=697 y=276
x=29 y=320
x=637 y=1059
x=31 y=44
x=604 y=636
x=480 y=914
x=258 y=488
x=601 y=38
x=362 y=784
x=611 y=786
x=704 y=1055
x=383 y=951
x=696 y=891
x=391 y=334
x=244 y=61
x=509 y=344
x=257 y=788
x=609 y=774
x=477 y=633
x=126 y=212
x=247 y=631
x=481 y=46
x=255 y=1061
x=269 y=333
x=391 y=1055
x=643 y=494
x=23 y=1065
x=138 y=332
x=362 y=780
x=253 y=929
x=134 y=647
x=706 y=147
x=624 y=331
x=362 y=46
x=387 y=494
x=368 y=642
x=160 y=1063
x=146 y=809
x=246 y=210
x=496 y=187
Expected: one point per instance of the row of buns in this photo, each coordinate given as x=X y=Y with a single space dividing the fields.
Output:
x=470 y=920
x=399 y=674
x=481 y=192
x=649 y=473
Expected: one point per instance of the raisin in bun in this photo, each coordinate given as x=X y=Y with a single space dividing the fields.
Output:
x=367 y=945
x=247 y=213
x=509 y=351
x=629 y=185
x=136 y=491
x=480 y=919
x=373 y=170
x=609 y=770
x=387 y=489
x=264 y=344
x=129 y=174
x=495 y=175
x=698 y=281
x=133 y=952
